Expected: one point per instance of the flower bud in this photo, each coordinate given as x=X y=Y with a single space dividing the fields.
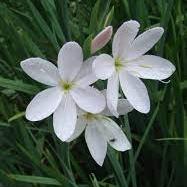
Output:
x=101 y=39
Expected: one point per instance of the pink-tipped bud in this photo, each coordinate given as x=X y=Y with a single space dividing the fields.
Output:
x=101 y=39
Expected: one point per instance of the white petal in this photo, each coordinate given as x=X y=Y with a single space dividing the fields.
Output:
x=79 y=128
x=135 y=91
x=144 y=42
x=64 y=118
x=70 y=60
x=104 y=92
x=101 y=39
x=41 y=70
x=89 y=99
x=114 y=135
x=96 y=143
x=103 y=66
x=86 y=76
x=124 y=37
x=151 y=67
x=44 y=104
x=124 y=107
x=112 y=94
x=80 y=112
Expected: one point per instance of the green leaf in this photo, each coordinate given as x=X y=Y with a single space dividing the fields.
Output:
x=143 y=139
x=183 y=85
x=130 y=152
x=35 y=179
x=94 y=180
x=127 y=8
x=102 y=14
x=50 y=8
x=43 y=25
x=16 y=116
x=117 y=169
x=87 y=46
x=18 y=85
x=109 y=17
x=94 y=18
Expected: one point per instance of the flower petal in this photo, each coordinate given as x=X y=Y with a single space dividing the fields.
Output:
x=79 y=128
x=80 y=112
x=151 y=67
x=96 y=143
x=135 y=91
x=41 y=70
x=114 y=135
x=89 y=99
x=123 y=38
x=112 y=94
x=64 y=118
x=70 y=60
x=44 y=104
x=123 y=108
x=144 y=42
x=103 y=66
x=86 y=76
x=101 y=39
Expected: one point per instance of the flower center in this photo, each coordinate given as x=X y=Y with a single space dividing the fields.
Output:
x=89 y=116
x=118 y=64
x=66 y=86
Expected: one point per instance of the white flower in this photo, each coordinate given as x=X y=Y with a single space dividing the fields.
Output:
x=69 y=87
x=101 y=39
x=129 y=63
x=100 y=130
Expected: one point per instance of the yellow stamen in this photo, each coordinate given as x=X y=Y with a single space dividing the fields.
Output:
x=118 y=64
x=66 y=86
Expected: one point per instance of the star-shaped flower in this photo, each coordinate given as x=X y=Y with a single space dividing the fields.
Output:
x=69 y=87
x=100 y=130
x=129 y=63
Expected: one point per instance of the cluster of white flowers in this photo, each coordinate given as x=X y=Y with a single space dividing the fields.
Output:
x=76 y=106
